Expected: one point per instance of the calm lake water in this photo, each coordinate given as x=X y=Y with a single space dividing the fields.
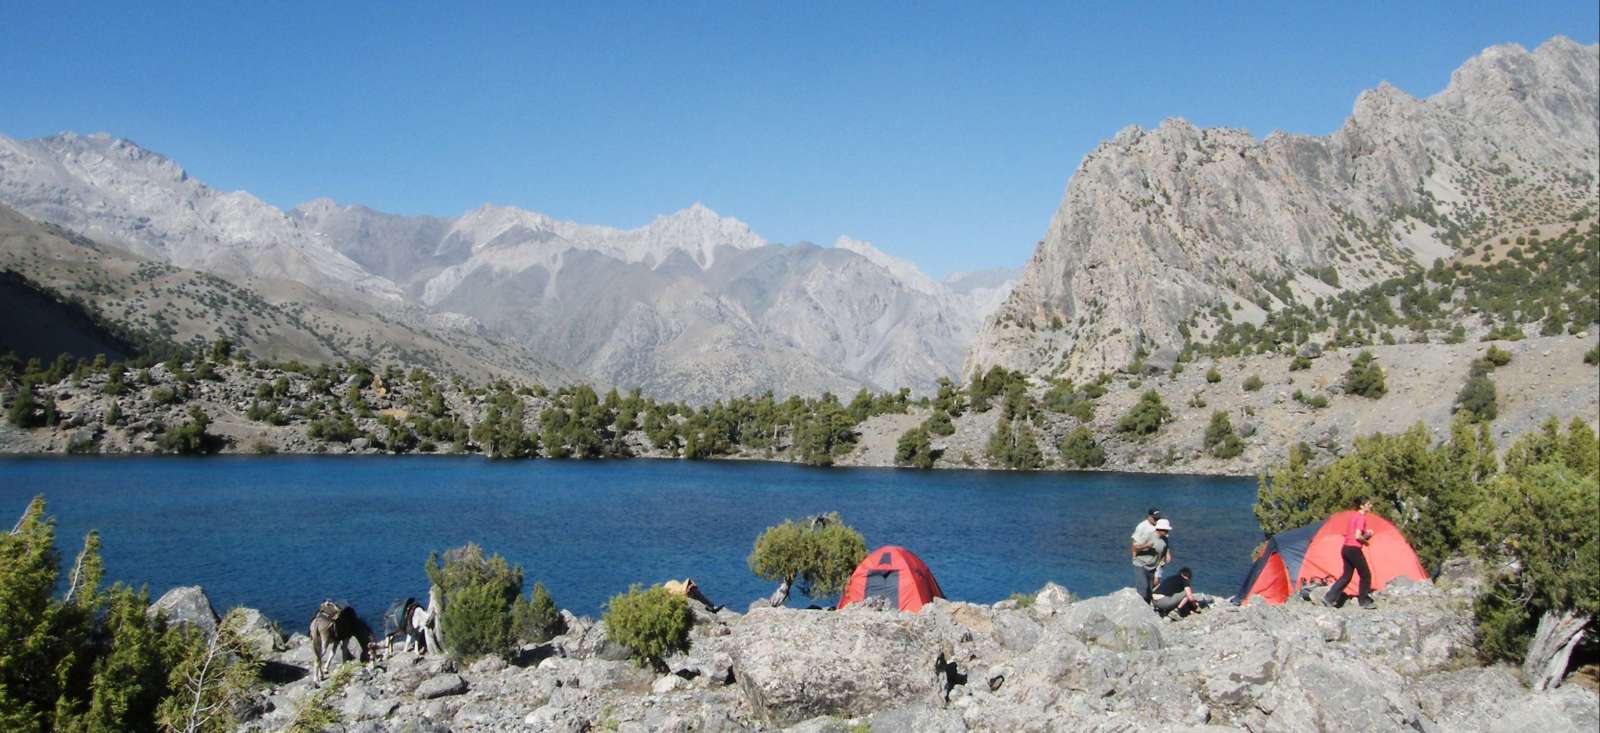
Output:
x=281 y=533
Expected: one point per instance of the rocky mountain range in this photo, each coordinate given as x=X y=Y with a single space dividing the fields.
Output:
x=1164 y=234
x=167 y=306
x=692 y=306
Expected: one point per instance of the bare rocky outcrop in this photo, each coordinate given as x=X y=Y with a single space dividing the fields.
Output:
x=1103 y=663
x=186 y=604
x=1160 y=227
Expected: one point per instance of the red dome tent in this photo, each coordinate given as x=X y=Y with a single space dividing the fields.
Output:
x=1311 y=554
x=895 y=575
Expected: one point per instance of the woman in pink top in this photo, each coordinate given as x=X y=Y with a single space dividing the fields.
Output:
x=1356 y=536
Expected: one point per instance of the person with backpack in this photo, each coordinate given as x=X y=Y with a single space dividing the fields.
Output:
x=1356 y=537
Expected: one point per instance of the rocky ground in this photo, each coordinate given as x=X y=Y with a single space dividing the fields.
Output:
x=1058 y=663
x=1546 y=378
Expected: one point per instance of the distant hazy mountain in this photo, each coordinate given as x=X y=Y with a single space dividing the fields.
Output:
x=1165 y=234
x=114 y=191
x=271 y=318
x=693 y=305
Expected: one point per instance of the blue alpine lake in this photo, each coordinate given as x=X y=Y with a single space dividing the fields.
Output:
x=281 y=533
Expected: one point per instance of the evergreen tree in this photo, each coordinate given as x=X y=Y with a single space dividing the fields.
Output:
x=22 y=408
x=1365 y=377
x=1146 y=417
x=914 y=449
x=1081 y=450
x=1220 y=438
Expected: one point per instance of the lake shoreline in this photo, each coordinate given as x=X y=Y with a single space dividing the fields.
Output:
x=378 y=454
x=256 y=530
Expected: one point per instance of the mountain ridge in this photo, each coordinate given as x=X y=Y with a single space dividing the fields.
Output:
x=1160 y=230
x=691 y=323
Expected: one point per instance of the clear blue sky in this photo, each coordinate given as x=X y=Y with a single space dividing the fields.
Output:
x=944 y=133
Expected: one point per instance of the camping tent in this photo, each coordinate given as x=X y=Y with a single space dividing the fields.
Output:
x=1311 y=554
x=895 y=575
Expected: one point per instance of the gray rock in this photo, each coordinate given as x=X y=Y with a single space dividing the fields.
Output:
x=918 y=719
x=441 y=686
x=362 y=704
x=186 y=605
x=1120 y=622
x=1051 y=599
x=796 y=665
x=258 y=632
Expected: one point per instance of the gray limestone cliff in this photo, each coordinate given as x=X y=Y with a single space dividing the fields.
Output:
x=1159 y=228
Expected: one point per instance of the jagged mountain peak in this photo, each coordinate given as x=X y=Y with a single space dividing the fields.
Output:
x=1158 y=230
x=113 y=189
x=907 y=273
x=73 y=146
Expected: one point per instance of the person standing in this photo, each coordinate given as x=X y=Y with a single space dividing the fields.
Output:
x=1147 y=525
x=1356 y=537
x=1148 y=552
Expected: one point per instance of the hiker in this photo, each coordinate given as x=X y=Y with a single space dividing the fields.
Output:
x=1356 y=537
x=1149 y=550
x=1176 y=594
x=1148 y=524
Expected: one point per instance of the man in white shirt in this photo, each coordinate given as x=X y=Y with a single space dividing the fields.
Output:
x=1144 y=553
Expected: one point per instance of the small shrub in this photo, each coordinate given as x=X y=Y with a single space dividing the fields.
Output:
x=1299 y=363
x=915 y=449
x=1365 y=377
x=478 y=593
x=191 y=437
x=1220 y=439
x=1497 y=356
x=1146 y=417
x=536 y=619
x=1592 y=356
x=166 y=396
x=1315 y=401
x=1023 y=600
x=21 y=412
x=1479 y=398
x=316 y=711
x=1213 y=376
x=650 y=623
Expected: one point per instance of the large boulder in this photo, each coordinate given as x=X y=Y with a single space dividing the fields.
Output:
x=796 y=665
x=1120 y=622
x=257 y=632
x=586 y=638
x=186 y=605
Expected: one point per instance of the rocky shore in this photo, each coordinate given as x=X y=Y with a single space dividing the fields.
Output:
x=1052 y=662
x=1546 y=377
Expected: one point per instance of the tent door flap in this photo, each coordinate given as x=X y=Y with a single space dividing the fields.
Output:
x=884 y=584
